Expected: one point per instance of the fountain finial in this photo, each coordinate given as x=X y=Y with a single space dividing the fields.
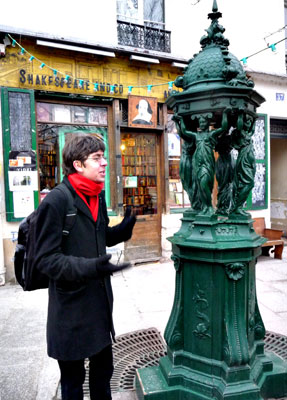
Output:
x=215 y=13
x=214 y=7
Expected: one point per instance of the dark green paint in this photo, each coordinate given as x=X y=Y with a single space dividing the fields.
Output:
x=215 y=332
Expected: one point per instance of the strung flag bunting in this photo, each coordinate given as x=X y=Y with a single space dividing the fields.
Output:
x=81 y=81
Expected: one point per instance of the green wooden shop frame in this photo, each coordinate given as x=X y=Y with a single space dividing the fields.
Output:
x=7 y=145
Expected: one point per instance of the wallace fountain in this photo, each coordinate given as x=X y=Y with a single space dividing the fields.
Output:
x=214 y=336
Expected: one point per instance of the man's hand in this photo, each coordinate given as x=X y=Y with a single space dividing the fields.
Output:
x=128 y=223
x=104 y=267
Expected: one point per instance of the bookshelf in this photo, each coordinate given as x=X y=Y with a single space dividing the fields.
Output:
x=139 y=172
x=48 y=161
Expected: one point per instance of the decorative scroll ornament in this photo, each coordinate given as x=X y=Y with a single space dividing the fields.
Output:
x=173 y=331
x=201 y=306
x=235 y=271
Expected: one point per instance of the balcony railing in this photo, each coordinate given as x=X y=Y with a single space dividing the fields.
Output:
x=143 y=37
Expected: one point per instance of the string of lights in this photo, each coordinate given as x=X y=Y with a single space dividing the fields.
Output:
x=149 y=87
x=81 y=82
x=273 y=33
x=270 y=46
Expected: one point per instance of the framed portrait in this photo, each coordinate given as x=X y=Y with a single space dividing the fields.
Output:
x=142 y=112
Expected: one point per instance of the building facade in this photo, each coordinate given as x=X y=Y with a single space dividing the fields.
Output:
x=62 y=83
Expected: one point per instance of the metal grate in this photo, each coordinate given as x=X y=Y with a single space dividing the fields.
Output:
x=145 y=347
x=132 y=351
x=276 y=343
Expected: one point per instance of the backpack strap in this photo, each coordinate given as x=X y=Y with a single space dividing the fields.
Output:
x=71 y=212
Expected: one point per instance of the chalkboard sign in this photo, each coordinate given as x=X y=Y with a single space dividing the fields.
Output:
x=20 y=121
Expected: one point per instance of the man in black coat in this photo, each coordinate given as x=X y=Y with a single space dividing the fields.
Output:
x=80 y=306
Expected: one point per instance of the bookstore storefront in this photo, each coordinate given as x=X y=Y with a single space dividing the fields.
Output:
x=39 y=116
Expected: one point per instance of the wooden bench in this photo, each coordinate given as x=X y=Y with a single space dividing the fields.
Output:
x=274 y=236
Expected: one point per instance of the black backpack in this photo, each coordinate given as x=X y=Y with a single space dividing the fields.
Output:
x=27 y=275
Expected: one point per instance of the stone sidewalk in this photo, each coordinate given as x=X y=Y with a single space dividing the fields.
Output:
x=143 y=299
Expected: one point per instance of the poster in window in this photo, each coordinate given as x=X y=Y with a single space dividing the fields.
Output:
x=23 y=180
x=130 y=181
x=173 y=145
x=98 y=116
x=62 y=113
x=44 y=111
x=22 y=160
x=259 y=189
x=142 y=112
x=23 y=203
x=259 y=139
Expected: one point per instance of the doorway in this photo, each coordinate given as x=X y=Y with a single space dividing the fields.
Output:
x=141 y=191
x=51 y=141
x=278 y=162
x=58 y=122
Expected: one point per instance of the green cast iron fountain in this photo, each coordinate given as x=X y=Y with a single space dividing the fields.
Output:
x=214 y=336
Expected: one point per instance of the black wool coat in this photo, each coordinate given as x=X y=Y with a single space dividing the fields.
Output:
x=80 y=305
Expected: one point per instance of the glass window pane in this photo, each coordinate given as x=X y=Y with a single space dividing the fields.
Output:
x=259 y=139
x=50 y=139
x=139 y=172
x=61 y=113
x=259 y=189
x=176 y=193
x=153 y=10
x=48 y=157
x=44 y=112
x=127 y=9
x=98 y=116
x=80 y=114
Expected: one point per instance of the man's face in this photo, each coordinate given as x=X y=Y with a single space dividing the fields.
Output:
x=93 y=168
x=143 y=107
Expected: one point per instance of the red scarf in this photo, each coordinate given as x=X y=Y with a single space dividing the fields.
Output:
x=85 y=187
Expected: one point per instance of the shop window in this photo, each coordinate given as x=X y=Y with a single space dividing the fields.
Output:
x=55 y=124
x=259 y=195
x=178 y=198
x=139 y=171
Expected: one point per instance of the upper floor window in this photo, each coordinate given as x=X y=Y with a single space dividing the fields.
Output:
x=141 y=24
x=149 y=12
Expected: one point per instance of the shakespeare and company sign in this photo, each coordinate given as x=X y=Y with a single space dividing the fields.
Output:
x=44 y=80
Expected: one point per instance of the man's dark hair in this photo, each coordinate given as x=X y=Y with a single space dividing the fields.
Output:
x=79 y=148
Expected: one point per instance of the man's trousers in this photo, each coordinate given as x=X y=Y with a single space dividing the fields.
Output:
x=100 y=373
